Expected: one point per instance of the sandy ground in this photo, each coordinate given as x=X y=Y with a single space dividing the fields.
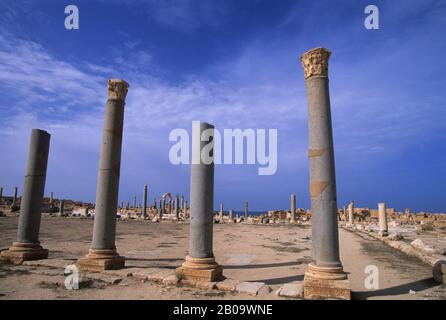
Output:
x=275 y=254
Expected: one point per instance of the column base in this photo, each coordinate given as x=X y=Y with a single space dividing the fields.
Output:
x=20 y=252
x=200 y=269
x=100 y=260
x=322 y=282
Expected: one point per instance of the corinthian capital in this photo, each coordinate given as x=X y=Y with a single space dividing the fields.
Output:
x=117 y=89
x=315 y=62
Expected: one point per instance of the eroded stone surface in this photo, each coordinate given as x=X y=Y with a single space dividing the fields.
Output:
x=292 y=290
x=253 y=288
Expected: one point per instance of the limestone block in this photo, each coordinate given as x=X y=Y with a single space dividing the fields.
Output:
x=292 y=290
x=253 y=288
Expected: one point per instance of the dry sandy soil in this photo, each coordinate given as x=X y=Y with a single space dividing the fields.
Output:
x=274 y=254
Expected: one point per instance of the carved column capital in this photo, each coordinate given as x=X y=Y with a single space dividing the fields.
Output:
x=315 y=62
x=117 y=89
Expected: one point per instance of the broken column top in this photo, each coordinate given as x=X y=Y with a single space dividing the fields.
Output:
x=117 y=89
x=315 y=62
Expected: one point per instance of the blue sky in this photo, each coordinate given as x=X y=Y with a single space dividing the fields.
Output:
x=236 y=65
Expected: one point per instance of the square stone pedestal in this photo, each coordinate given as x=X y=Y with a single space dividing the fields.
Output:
x=200 y=269
x=100 y=260
x=20 y=252
x=326 y=283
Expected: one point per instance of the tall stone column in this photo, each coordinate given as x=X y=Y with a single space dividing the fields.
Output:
x=186 y=208
x=160 y=208
x=177 y=207
x=351 y=213
x=246 y=209
x=1 y=195
x=14 y=198
x=383 y=230
x=200 y=263
x=231 y=216
x=221 y=211
x=28 y=246
x=61 y=208
x=325 y=276
x=134 y=203
x=183 y=206
x=163 y=207
x=51 y=199
x=293 y=207
x=103 y=254
x=144 y=202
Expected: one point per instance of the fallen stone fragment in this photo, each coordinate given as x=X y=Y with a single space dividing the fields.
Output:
x=171 y=280
x=103 y=277
x=395 y=236
x=253 y=288
x=50 y=263
x=160 y=275
x=439 y=271
x=227 y=285
x=126 y=272
x=419 y=244
x=144 y=273
x=292 y=290
x=189 y=282
x=206 y=285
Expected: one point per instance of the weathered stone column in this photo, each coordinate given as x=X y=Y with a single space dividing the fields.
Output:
x=134 y=203
x=231 y=216
x=177 y=207
x=200 y=263
x=183 y=206
x=1 y=195
x=383 y=230
x=186 y=208
x=103 y=254
x=14 y=198
x=351 y=212
x=51 y=199
x=221 y=211
x=293 y=207
x=160 y=211
x=144 y=202
x=27 y=246
x=246 y=209
x=61 y=208
x=325 y=276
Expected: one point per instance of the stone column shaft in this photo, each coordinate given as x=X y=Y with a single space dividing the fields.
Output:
x=200 y=263
x=61 y=208
x=293 y=208
x=177 y=207
x=221 y=211
x=382 y=219
x=27 y=246
x=103 y=253
x=144 y=202
x=351 y=212
x=325 y=241
x=14 y=198
x=246 y=209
